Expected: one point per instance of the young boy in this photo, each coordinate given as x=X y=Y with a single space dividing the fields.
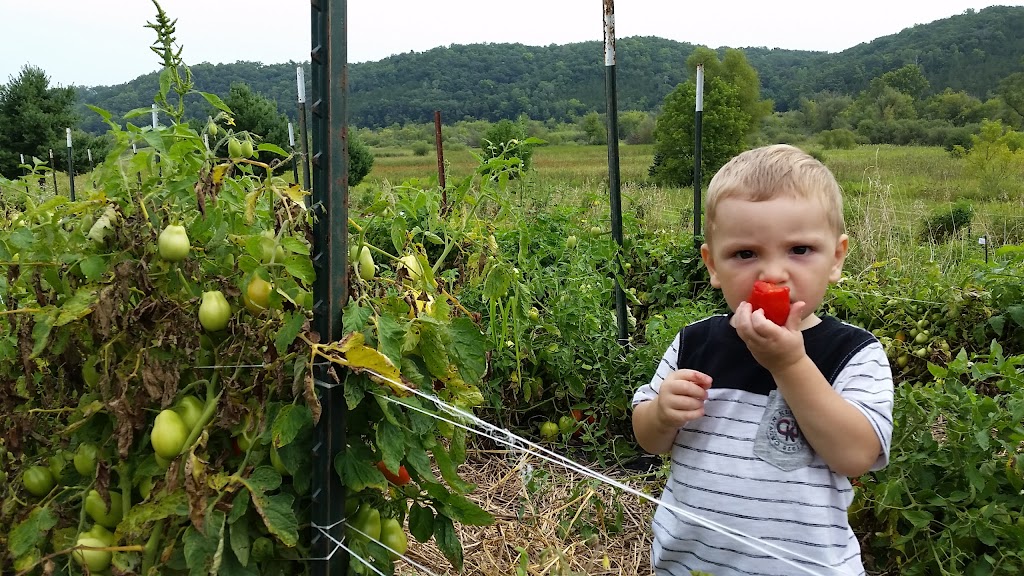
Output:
x=766 y=423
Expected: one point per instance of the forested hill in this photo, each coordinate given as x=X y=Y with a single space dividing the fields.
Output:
x=970 y=52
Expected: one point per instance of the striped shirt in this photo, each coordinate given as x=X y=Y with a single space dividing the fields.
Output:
x=786 y=523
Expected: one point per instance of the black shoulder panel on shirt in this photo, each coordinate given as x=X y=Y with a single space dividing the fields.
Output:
x=713 y=347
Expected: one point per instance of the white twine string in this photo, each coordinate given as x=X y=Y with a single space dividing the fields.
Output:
x=511 y=440
x=340 y=545
x=391 y=550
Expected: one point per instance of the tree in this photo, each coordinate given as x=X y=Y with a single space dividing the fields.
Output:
x=1011 y=89
x=735 y=70
x=997 y=161
x=257 y=115
x=594 y=127
x=724 y=127
x=360 y=160
x=33 y=118
x=909 y=80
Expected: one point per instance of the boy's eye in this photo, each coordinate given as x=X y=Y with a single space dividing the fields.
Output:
x=745 y=254
x=801 y=249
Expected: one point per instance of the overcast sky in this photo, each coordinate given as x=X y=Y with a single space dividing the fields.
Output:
x=105 y=42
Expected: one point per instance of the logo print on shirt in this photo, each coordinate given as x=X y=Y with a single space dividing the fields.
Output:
x=784 y=433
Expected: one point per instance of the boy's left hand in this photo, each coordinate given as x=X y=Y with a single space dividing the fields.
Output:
x=774 y=347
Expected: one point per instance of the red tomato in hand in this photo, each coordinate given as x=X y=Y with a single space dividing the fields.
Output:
x=774 y=300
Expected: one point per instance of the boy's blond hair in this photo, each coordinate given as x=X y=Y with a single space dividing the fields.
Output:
x=773 y=171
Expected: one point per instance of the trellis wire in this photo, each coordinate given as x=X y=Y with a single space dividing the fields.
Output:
x=516 y=442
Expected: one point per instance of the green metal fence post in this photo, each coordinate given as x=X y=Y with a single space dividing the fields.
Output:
x=329 y=205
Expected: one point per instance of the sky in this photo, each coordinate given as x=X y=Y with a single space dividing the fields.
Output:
x=104 y=43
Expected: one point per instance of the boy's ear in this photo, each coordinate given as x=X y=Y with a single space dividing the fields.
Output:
x=709 y=262
x=842 y=249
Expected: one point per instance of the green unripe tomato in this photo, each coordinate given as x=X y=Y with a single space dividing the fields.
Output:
x=100 y=533
x=272 y=251
x=146 y=487
x=365 y=266
x=190 y=409
x=162 y=462
x=56 y=464
x=275 y=461
x=596 y=231
x=173 y=243
x=393 y=536
x=85 y=459
x=234 y=148
x=262 y=549
x=97 y=509
x=247 y=150
x=571 y=242
x=367 y=521
x=38 y=480
x=90 y=375
x=566 y=424
x=214 y=311
x=96 y=560
x=533 y=314
x=548 y=430
x=257 y=295
x=168 y=435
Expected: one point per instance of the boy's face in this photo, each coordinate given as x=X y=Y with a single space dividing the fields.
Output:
x=786 y=241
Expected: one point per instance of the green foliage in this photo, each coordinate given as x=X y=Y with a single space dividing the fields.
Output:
x=997 y=161
x=257 y=115
x=725 y=126
x=839 y=138
x=507 y=141
x=33 y=119
x=948 y=222
x=593 y=125
x=360 y=160
x=949 y=501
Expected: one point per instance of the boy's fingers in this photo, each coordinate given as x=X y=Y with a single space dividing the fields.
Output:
x=796 y=312
x=699 y=378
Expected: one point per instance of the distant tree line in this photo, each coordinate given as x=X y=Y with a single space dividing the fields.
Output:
x=971 y=53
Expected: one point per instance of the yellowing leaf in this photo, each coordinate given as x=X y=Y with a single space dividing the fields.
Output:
x=219 y=171
x=380 y=369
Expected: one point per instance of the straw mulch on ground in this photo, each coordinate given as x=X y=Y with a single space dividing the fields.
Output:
x=548 y=521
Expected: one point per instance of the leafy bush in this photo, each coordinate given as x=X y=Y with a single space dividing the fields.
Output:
x=360 y=161
x=946 y=223
x=507 y=141
x=840 y=138
x=949 y=501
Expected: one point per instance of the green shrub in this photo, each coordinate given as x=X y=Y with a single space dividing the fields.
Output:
x=840 y=138
x=946 y=223
x=420 y=149
x=506 y=140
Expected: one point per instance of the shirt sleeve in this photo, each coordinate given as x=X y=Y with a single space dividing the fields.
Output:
x=866 y=383
x=665 y=367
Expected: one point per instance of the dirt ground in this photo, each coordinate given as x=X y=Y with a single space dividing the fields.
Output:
x=548 y=521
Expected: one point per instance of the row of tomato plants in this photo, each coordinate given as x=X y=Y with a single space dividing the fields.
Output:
x=158 y=403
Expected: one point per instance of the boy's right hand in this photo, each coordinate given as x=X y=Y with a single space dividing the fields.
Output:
x=681 y=398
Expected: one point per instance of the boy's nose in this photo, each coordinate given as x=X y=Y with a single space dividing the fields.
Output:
x=774 y=273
